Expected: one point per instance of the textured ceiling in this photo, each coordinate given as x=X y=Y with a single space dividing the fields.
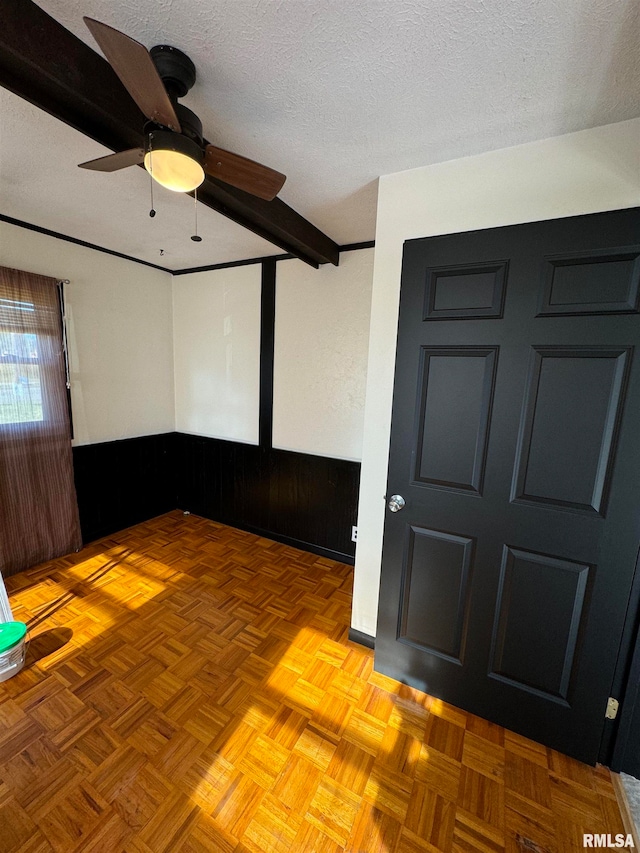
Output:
x=334 y=94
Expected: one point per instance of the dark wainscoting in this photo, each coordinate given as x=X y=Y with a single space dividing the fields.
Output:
x=121 y=483
x=306 y=501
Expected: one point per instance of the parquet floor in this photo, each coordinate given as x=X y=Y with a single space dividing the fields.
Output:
x=191 y=688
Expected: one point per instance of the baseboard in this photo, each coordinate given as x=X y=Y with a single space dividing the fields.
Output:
x=362 y=638
x=338 y=556
x=301 y=545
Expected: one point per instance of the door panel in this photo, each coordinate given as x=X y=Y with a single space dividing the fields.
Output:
x=602 y=282
x=506 y=577
x=457 y=389
x=465 y=292
x=539 y=614
x=435 y=603
x=568 y=435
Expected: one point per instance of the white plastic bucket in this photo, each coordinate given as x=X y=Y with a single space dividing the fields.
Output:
x=12 y=661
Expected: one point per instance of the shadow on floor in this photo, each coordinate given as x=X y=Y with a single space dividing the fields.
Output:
x=46 y=643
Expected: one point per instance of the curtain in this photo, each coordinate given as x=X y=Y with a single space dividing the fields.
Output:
x=38 y=506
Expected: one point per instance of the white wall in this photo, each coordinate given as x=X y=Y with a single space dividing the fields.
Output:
x=150 y=353
x=120 y=338
x=320 y=360
x=593 y=170
x=217 y=352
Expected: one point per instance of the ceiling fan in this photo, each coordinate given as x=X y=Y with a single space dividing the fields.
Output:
x=174 y=153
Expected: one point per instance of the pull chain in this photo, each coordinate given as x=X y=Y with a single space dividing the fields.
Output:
x=195 y=237
x=152 y=212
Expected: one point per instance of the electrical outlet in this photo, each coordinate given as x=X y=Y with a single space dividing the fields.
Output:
x=354 y=534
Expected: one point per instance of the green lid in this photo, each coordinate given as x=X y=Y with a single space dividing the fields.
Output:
x=10 y=634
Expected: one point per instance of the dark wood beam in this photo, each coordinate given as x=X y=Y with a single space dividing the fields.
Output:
x=46 y=64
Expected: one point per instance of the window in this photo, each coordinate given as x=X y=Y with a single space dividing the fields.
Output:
x=26 y=328
x=20 y=389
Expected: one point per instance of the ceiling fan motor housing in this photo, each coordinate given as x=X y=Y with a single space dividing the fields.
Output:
x=168 y=140
x=190 y=123
x=177 y=71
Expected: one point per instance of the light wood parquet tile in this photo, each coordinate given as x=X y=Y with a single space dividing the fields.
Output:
x=191 y=688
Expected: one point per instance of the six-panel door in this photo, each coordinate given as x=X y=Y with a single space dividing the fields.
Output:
x=516 y=414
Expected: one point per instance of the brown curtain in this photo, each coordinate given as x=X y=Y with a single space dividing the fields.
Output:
x=38 y=506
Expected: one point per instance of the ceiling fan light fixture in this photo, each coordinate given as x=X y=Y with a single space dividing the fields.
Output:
x=174 y=161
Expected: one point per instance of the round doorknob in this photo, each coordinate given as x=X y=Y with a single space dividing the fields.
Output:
x=396 y=502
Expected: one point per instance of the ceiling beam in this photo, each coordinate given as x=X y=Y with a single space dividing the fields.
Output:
x=46 y=64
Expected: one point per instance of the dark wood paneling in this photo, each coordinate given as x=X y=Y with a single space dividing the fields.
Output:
x=120 y=483
x=306 y=501
x=309 y=501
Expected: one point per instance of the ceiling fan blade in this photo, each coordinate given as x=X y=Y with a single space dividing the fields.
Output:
x=133 y=65
x=113 y=162
x=243 y=173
